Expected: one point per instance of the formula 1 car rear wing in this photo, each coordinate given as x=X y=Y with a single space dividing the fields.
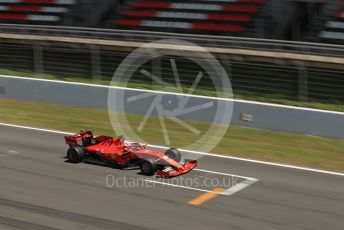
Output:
x=78 y=137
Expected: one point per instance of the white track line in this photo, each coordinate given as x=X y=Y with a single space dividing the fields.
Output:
x=229 y=191
x=225 y=174
x=172 y=93
x=37 y=129
x=196 y=152
x=238 y=187
x=256 y=161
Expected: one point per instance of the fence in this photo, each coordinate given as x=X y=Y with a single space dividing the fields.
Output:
x=250 y=80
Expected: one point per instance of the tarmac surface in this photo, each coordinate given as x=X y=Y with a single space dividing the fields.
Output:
x=39 y=190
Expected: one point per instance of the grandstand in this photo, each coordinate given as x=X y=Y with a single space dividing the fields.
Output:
x=34 y=11
x=300 y=20
x=333 y=28
x=229 y=17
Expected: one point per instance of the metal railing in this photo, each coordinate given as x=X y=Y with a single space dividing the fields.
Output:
x=204 y=40
x=250 y=80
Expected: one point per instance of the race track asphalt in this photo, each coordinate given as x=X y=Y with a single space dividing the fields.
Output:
x=39 y=190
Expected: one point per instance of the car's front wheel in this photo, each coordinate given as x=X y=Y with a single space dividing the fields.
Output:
x=173 y=154
x=148 y=168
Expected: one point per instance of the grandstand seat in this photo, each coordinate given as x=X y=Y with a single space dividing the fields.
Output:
x=333 y=31
x=34 y=11
x=231 y=17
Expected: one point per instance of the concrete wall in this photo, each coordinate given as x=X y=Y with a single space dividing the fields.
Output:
x=245 y=113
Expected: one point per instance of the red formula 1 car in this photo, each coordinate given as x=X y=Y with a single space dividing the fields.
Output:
x=115 y=151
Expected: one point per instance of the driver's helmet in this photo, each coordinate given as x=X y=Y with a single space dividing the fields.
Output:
x=87 y=138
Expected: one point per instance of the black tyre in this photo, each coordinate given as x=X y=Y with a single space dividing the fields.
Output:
x=76 y=154
x=148 y=168
x=173 y=154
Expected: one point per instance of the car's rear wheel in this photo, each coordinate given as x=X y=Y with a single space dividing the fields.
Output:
x=76 y=154
x=148 y=168
x=173 y=154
